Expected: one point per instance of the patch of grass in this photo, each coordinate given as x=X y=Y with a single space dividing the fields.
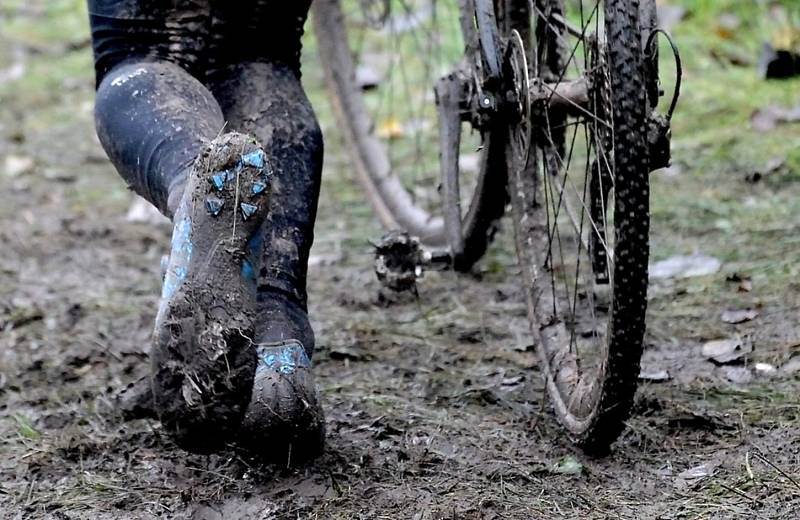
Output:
x=759 y=404
x=22 y=22
x=707 y=204
x=26 y=429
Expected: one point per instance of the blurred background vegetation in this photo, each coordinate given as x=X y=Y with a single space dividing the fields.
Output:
x=729 y=180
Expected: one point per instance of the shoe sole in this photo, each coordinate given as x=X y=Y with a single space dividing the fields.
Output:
x=203 y=359
x=285 y=422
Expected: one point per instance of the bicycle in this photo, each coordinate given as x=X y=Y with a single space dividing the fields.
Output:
x=547 y=104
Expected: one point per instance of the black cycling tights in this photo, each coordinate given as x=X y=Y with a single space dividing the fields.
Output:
x=174 y=74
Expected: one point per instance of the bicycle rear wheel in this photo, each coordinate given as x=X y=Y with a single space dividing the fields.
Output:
x=582 y=219
x=382 y=59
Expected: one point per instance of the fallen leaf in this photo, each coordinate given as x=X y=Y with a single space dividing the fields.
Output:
x=740 y=316
x=17 y=164
x=739 y=375
x=25 y=428
x=769 y=117
x=725 y=351
x=727 y=25
x=510 y=383
x=731 y=56
x=697 y=472
x=773 y=166
x=658 y=376
x=390 y=129
x=744 y=281
x=685 y=266
x=143 y=211
x=792 y=366
x=367 y=78
x=568 y=465
x=765 y=369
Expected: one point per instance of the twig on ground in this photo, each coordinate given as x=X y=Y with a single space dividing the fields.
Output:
x=739 y=492
x=778 y=469
x=747 y=466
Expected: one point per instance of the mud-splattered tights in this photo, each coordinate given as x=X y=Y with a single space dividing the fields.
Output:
x=174 y=74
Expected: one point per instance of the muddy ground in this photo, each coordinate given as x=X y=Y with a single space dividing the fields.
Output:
x=434 y=405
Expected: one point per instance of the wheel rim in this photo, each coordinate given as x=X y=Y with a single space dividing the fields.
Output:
x=400 y=48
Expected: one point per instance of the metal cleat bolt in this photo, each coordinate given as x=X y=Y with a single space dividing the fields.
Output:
x=259 y=187
x=256 y=159
x=247 y=210
x=214 y=205
x=218 y=180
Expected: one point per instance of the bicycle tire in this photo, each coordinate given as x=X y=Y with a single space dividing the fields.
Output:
x=591 y=401
x=392 y=201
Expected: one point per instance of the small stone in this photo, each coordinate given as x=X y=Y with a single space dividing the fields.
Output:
x=256 y=159
x=214 y=205
x=259 y=187
x=248 y=210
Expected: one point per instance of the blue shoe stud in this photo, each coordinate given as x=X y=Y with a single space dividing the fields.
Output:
x=214 y=205
x=248 y=210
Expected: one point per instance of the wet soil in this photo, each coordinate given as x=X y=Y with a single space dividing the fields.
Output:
x=434 y=404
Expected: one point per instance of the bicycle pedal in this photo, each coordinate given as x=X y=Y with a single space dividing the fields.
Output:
x=399 y=261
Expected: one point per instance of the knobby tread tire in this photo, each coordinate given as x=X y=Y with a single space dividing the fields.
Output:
x=632 y=223
x=596 y=431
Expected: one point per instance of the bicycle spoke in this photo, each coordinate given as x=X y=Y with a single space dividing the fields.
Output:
x=408 y=44
x=573 y=175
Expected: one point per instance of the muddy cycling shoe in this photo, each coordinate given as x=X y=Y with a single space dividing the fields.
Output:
x=281 y=317
x=203 y=357
x=284 y=422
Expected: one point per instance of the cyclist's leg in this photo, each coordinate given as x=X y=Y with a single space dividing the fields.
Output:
x=256 y=80
x=255 y=75
x=155 y=119
x=152 y=115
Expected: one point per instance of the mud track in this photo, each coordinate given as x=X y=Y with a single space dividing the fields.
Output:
x=434 y=405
